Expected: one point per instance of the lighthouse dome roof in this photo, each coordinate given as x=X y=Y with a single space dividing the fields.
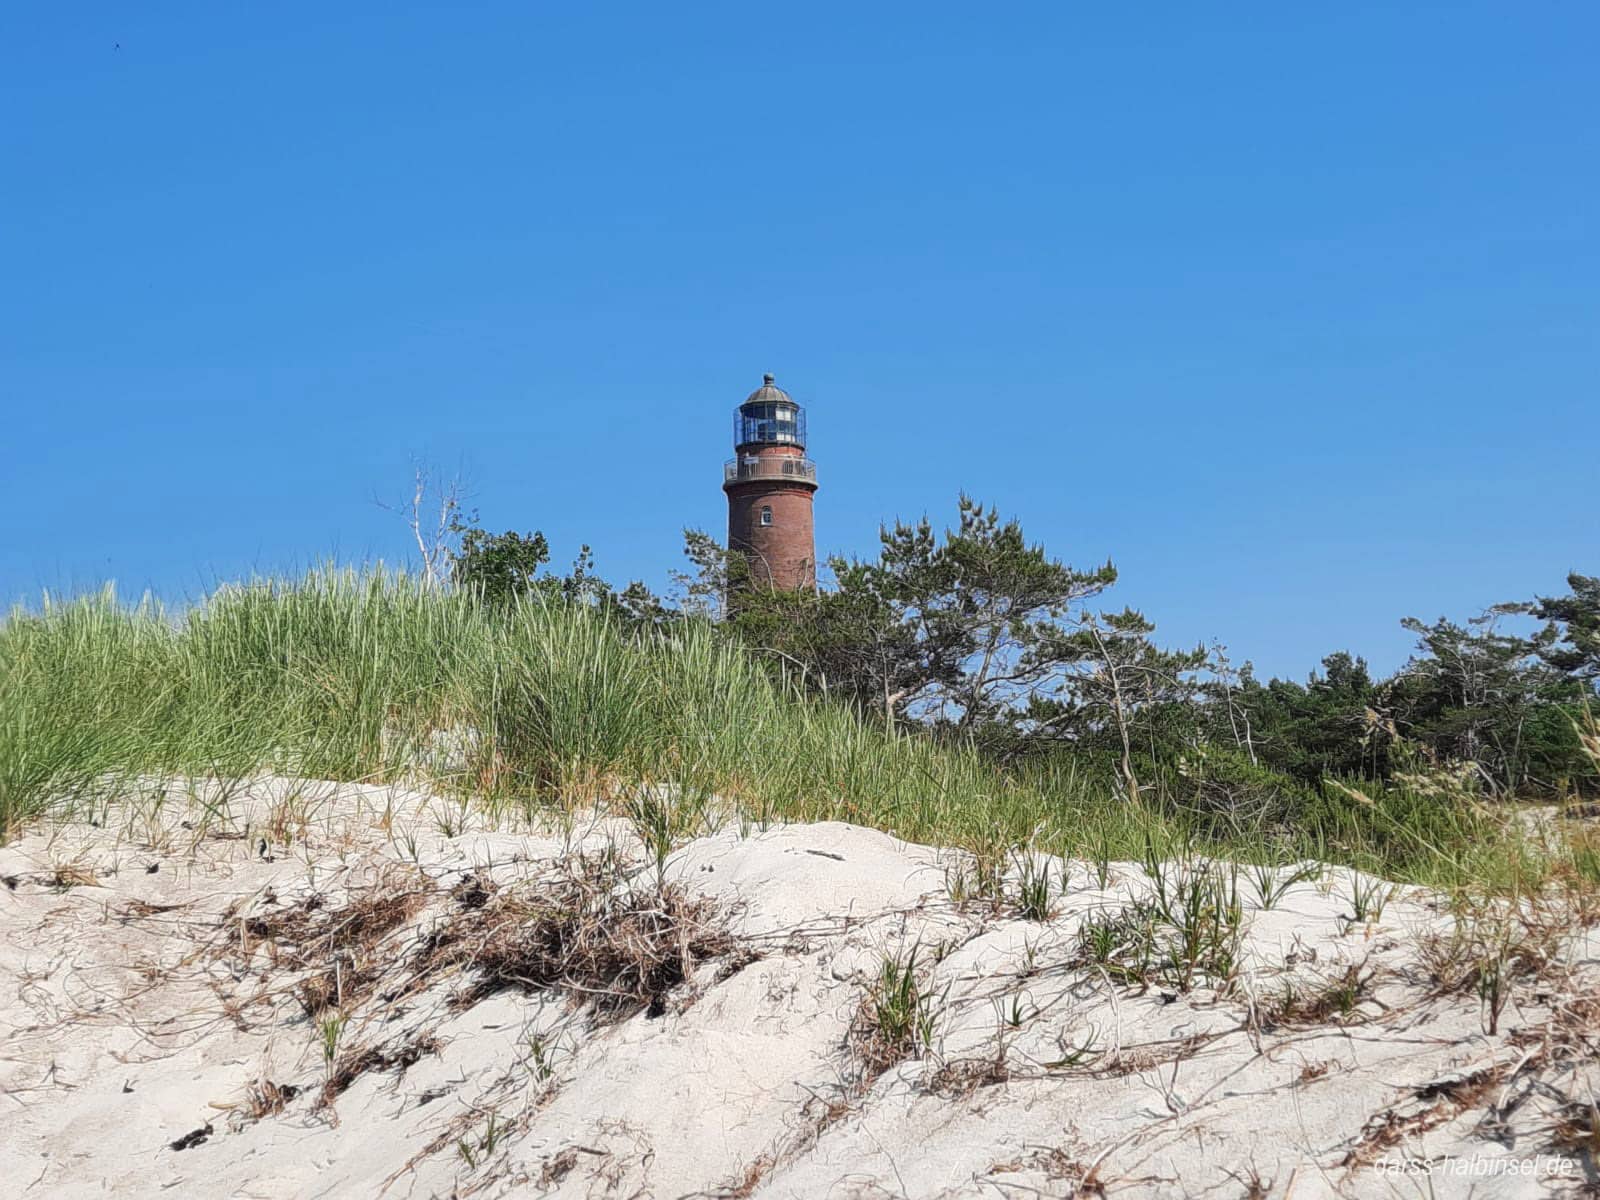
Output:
x=768 y=393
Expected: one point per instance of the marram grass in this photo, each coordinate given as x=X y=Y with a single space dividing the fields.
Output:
x=375 y=677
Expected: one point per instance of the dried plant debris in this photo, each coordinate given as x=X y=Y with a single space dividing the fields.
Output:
x=267 y=1099
x=339 y=946
x=396 y=1057
x=1446 y=1099
x=71 y=875
x=474 y=890
x=1577 y=1129
x=620 y=944
x=962 y=1077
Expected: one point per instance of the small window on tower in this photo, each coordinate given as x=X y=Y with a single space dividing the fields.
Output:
x=766 y=514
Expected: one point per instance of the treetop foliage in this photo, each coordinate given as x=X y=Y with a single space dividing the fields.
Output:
x=1570 y=640
x=974 y=633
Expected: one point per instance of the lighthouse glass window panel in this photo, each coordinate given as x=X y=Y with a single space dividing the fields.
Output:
x=771 y=424
x=766 y=514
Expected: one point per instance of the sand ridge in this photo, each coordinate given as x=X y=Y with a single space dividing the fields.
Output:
x=166 y=1031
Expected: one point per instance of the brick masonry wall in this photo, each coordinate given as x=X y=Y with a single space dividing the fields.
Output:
x=784 y=553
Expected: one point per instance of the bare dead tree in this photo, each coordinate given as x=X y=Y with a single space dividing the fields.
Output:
x=1238 y=715
x=433 y=514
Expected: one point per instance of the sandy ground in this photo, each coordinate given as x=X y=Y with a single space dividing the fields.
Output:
x=155 y=1040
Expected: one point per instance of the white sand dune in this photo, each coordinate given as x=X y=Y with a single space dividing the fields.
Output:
x=147 y=1034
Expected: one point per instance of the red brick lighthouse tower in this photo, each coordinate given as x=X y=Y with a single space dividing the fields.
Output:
x=770 y=483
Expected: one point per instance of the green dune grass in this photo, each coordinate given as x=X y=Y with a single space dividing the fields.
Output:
x=372 y=676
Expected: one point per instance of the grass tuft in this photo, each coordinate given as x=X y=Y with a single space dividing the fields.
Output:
x=897 y=1017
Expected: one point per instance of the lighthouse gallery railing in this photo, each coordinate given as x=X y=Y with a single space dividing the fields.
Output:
x=785 y=467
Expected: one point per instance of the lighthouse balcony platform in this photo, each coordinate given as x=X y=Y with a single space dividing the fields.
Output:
x=775 y=468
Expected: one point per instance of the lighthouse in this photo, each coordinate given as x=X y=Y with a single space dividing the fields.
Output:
x=770 y=483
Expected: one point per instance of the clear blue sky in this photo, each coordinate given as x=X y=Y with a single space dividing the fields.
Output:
x=1292 y=310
